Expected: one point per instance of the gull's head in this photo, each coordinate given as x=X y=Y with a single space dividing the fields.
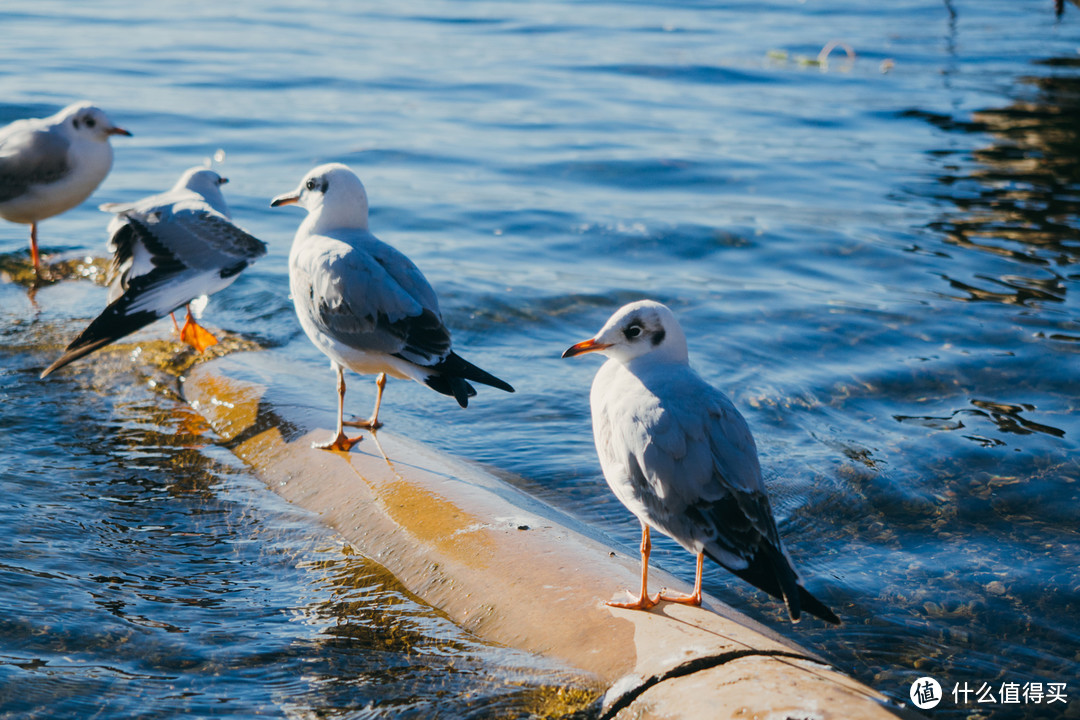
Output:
x=641 y=328
x=334 y=193
x=206 y=183
x=85 y=121
x=201 y=180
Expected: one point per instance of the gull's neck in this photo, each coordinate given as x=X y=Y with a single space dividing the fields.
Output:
x=322 y=220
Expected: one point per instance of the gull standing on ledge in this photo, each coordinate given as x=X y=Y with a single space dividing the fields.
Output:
x=363 y=303
x=168 y=249
x=50 y=165
x=678 y=455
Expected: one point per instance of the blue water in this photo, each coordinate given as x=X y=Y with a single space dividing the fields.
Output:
x=876 y=259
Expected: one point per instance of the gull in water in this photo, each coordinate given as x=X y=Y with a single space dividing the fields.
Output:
x=678 y=455
x=363 y=303
x=168 y=250
x=50 y=165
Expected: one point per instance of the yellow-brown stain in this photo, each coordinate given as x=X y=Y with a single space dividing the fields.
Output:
x=231 y=407
x=425 y=514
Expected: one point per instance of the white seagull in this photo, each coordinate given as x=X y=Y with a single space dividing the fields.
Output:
x=50 y=165
x=363 y=303
x=168 y=249
x=678 y=455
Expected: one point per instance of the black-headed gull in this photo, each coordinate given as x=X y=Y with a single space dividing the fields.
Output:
x=50 y=165
x=168 y=249
x=363 y=303
x=678 y=455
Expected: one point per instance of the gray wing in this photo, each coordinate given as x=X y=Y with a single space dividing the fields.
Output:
x=694 y=457
x=405 y=273
x=372 y=297
x=191 y=243
x=713 y=448
x=31 y=157
x=191 y=236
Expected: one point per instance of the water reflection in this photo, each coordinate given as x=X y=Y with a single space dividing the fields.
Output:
x=1021 y=201
x=971 y=502
x=1005 y=416
x=143 y=567
x=364 y=609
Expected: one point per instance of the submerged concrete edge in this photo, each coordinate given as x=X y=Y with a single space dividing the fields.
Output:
x=516 y=571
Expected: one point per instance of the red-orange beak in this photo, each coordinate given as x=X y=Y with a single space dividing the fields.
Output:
x=286 y=199
x=585 y=346
x=117 y=131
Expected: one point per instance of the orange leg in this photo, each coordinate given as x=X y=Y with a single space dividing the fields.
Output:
x=644 y=602
x=176 y=325
x=695 y=597
x=340 y=441
x=196 y=335
x=372 y=423
x=34 y=256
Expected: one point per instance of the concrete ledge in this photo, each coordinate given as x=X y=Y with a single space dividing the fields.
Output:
x=514 y=570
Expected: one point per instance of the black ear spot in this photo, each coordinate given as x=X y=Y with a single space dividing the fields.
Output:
x=658 y=337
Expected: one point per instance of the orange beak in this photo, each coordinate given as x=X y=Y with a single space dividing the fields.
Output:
x=286 y=199
x=585 y=346
x=117 y=131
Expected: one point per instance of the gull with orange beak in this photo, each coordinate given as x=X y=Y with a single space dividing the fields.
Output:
x=363 y=303
x=168 y=249
x=50 y=165
x=678 y=455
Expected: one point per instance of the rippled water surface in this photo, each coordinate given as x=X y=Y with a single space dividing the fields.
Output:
x=876 y=258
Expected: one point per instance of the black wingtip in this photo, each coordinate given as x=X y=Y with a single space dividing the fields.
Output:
x=457 y=366
x=60 y=362
x=450 y=385
x=797 y=598
x=769 y=570
x=815 y=607
x=106 y=328
x=461 y=390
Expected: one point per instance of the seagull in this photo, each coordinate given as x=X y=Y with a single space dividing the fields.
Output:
x=50 y=165
x=168 y=249
x=131 y=256
x=363 y=303
x=677 y=453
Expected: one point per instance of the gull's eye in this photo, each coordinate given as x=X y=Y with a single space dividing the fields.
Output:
x=632 y=332
x=310 y=185
x=89 y=122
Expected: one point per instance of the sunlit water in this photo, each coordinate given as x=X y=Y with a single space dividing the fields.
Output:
x=876 y=259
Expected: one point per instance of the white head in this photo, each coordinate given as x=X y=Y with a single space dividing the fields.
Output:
x=641 y=328
x=207 y=183
x=84 y=121
x=333 y=196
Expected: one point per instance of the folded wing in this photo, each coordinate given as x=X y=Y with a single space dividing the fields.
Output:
x=31 y=157
x=190 y=251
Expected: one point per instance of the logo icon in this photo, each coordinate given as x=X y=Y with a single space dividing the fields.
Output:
x=925 y=693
